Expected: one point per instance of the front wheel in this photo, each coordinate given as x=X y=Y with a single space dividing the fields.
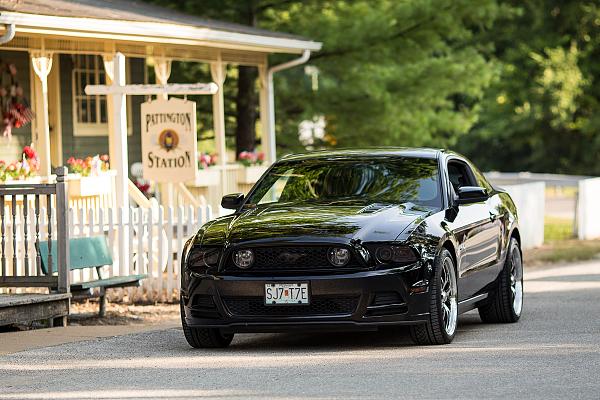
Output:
x=443 y=305
x=203 y=337
x=506 y=303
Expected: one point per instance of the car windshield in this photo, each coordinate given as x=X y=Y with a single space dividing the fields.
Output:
x=375 y=180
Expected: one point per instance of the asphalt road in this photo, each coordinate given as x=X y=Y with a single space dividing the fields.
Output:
x=552 y=353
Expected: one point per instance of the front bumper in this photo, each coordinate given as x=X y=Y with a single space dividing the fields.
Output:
x=361 y=300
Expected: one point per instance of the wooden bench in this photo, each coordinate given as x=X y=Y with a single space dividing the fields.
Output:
x=90 y=252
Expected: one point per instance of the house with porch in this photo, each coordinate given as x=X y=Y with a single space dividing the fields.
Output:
x=57 y=47
x=50 y=52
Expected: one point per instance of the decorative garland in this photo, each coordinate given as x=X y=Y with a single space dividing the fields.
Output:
x=14 y=107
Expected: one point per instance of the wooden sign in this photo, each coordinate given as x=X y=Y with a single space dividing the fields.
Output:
x=169 y=148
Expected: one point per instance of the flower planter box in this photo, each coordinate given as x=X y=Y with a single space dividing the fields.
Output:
x=207 y=177
x=33 y=179
x=85 y=186
x=250 y=175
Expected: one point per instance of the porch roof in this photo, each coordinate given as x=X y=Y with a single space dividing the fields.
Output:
x=139 y=21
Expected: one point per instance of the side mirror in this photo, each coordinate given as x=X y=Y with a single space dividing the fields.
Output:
x=471 y=194
x=232 y=201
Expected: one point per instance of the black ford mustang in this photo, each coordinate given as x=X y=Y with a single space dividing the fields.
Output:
x=355 y=240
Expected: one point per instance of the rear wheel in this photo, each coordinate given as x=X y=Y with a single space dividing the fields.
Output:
x=204 y=337
x=506 y=303
x=443 y=306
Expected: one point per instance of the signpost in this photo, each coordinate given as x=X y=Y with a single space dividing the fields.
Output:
x=118 y=90
x=169 y=148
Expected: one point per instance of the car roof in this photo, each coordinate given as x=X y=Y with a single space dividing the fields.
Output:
x=416 y=152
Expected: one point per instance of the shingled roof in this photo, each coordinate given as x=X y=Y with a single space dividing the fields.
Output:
x=134 y=11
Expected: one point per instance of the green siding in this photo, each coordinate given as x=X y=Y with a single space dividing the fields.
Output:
x=81 y=146
x=10 y=149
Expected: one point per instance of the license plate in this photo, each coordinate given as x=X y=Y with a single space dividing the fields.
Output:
x=286 y=293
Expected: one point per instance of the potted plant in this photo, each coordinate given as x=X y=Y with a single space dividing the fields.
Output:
x=26 y=169
x=206 y=175
x=89 y=176
x=253 y=167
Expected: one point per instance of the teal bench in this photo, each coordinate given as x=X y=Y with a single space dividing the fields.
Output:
x=89 y=252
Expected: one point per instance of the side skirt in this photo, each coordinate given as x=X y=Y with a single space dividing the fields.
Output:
x=471 y=303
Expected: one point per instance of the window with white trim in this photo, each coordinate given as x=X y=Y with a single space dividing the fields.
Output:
x=89 y=111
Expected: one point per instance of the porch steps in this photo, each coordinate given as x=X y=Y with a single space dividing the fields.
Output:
x=29 y=307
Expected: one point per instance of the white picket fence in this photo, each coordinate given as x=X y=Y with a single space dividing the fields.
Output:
x=141 y=240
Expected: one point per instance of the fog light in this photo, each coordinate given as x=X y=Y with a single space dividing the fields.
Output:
x=243 y=258
x=338 y=256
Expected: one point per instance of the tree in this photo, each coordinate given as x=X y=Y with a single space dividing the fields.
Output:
x=541 y=114
x=391 y=73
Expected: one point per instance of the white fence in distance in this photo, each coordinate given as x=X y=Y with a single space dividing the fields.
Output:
x=530 y=201
x=588 y=209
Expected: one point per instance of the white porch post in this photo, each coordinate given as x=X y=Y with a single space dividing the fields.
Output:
x=109 y=69
x=267 y=115
x=217 y=71
x=162 y=72
x=118 y=133
x=42 y=64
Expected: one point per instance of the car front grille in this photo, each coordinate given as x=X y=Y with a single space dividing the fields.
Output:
x=319 y=305
x=292 y=258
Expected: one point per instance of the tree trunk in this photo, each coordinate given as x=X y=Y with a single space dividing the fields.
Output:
x=246 y=101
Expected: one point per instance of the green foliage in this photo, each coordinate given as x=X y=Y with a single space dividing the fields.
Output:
x=390 y=73
x=513 y=84
x=542 y=112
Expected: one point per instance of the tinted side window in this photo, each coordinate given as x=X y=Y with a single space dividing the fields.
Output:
x=459 y=175
x=481 y=181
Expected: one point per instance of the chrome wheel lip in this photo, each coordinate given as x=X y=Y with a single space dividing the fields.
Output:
x=448 y=298
x=516 y=284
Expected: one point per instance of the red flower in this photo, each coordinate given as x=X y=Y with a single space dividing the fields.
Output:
x=29 y=152
x=104 y=157
x=71 y=160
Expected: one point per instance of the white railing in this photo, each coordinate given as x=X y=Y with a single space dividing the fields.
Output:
x=141 y=240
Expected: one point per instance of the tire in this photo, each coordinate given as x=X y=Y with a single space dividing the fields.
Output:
x=443 y=305
x=204 y=338
x=506 y=302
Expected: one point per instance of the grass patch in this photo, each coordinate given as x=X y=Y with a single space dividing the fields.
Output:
x=563 y=251
x=556 y=229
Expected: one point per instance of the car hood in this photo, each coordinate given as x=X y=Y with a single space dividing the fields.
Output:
x=334 y=222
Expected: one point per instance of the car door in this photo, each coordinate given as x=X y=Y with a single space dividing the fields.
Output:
x=476 y=231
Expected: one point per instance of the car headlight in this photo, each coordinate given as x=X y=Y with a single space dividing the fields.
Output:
x=243 y=258
x=395 y=254
x=199 y=259
x=338 y=256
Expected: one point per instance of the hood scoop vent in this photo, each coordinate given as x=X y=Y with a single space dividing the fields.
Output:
x=373 y=208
